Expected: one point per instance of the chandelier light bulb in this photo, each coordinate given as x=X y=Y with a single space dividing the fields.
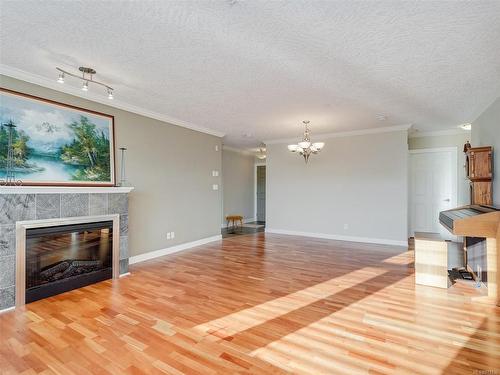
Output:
x=318 y=145
x=85 y=86
x=61 y=78
x=110 y=94
x=292 y=148
x=304 y=144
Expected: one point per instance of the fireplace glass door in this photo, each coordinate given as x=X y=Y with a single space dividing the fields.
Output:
x=66 y=257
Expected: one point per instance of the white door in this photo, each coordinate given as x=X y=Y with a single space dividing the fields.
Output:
x=433 y=188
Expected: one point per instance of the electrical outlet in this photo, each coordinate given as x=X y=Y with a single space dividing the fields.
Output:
x=169 y=236
x=346 y=226
x=172 y=236
x=215 y=173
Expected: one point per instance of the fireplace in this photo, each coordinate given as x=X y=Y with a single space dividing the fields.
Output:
x=59 y=255
x=66 y=257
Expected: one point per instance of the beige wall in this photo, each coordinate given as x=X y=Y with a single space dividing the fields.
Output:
x=358 y=181
x=170 y=168
x=455 y=140
x=486 y=132
x=238 y=184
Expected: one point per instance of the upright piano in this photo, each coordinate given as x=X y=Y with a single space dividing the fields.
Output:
x=480 y=225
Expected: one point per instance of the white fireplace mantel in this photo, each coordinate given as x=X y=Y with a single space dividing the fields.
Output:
x=63 y=189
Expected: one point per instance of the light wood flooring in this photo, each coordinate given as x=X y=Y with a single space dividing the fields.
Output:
x=260 y=304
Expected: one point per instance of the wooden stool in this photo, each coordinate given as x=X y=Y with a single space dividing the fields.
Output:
x=234 y=219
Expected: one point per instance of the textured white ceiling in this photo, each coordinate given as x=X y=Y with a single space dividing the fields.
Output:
x=255 y=69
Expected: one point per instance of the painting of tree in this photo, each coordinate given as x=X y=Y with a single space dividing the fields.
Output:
x=89 y=149
x=55 y=143
x=19 y=146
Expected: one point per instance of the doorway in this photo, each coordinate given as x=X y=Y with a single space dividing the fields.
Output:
x=260 y=193
x=433 y=188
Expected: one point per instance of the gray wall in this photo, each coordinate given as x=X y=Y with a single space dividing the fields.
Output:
x=360 y=181
x=455 y=140
x=238 y=184
x=170 y=168
x=486 y=132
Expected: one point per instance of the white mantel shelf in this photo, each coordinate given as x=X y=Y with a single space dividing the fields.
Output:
x=63 y=189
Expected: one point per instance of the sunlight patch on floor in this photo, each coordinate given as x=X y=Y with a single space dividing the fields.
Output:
x=400 y=259
x=256 y=315
x=335 y=343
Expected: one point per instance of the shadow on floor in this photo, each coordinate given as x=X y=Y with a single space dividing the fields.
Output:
x=478 y=356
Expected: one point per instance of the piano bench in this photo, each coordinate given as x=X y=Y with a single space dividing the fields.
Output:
x=434 y=256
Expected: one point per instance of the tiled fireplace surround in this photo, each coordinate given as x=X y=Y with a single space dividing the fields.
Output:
x=18 y=207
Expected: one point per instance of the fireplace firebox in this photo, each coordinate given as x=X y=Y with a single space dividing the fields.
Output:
x=66 y=257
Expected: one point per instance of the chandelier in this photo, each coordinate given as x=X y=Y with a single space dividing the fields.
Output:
x=262 y=151
x=87 y=77
x=305 y=147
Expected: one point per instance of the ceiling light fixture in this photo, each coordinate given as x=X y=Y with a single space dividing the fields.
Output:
x=305 y=147
x=466 y=126
x=262 y=151
x=87 y=77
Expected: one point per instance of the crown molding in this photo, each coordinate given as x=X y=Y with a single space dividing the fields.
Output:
x=238 y=150
x=353 y=133
x=53 y=85
x=437 y=133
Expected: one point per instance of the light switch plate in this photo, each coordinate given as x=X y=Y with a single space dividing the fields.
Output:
x=216 y=147
x=172 y=236
x=169 y=236
x=215 y=187
x=215 y=173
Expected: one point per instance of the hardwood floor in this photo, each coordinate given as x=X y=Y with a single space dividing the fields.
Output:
x=246 y=229
x=261 y=304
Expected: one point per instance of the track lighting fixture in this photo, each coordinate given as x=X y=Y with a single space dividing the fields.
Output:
x=87 y=77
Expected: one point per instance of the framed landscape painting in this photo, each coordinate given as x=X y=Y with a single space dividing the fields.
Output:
x=54 y=143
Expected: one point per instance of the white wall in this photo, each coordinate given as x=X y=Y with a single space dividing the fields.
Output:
x=453 y=140
x=237 y=184
x=486 y=132
x=359 y=180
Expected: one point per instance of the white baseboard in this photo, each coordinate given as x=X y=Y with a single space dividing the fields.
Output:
x=7 y=309
x=245 y=221
x=124 y=274
x=337 y=237
x=173 y=249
